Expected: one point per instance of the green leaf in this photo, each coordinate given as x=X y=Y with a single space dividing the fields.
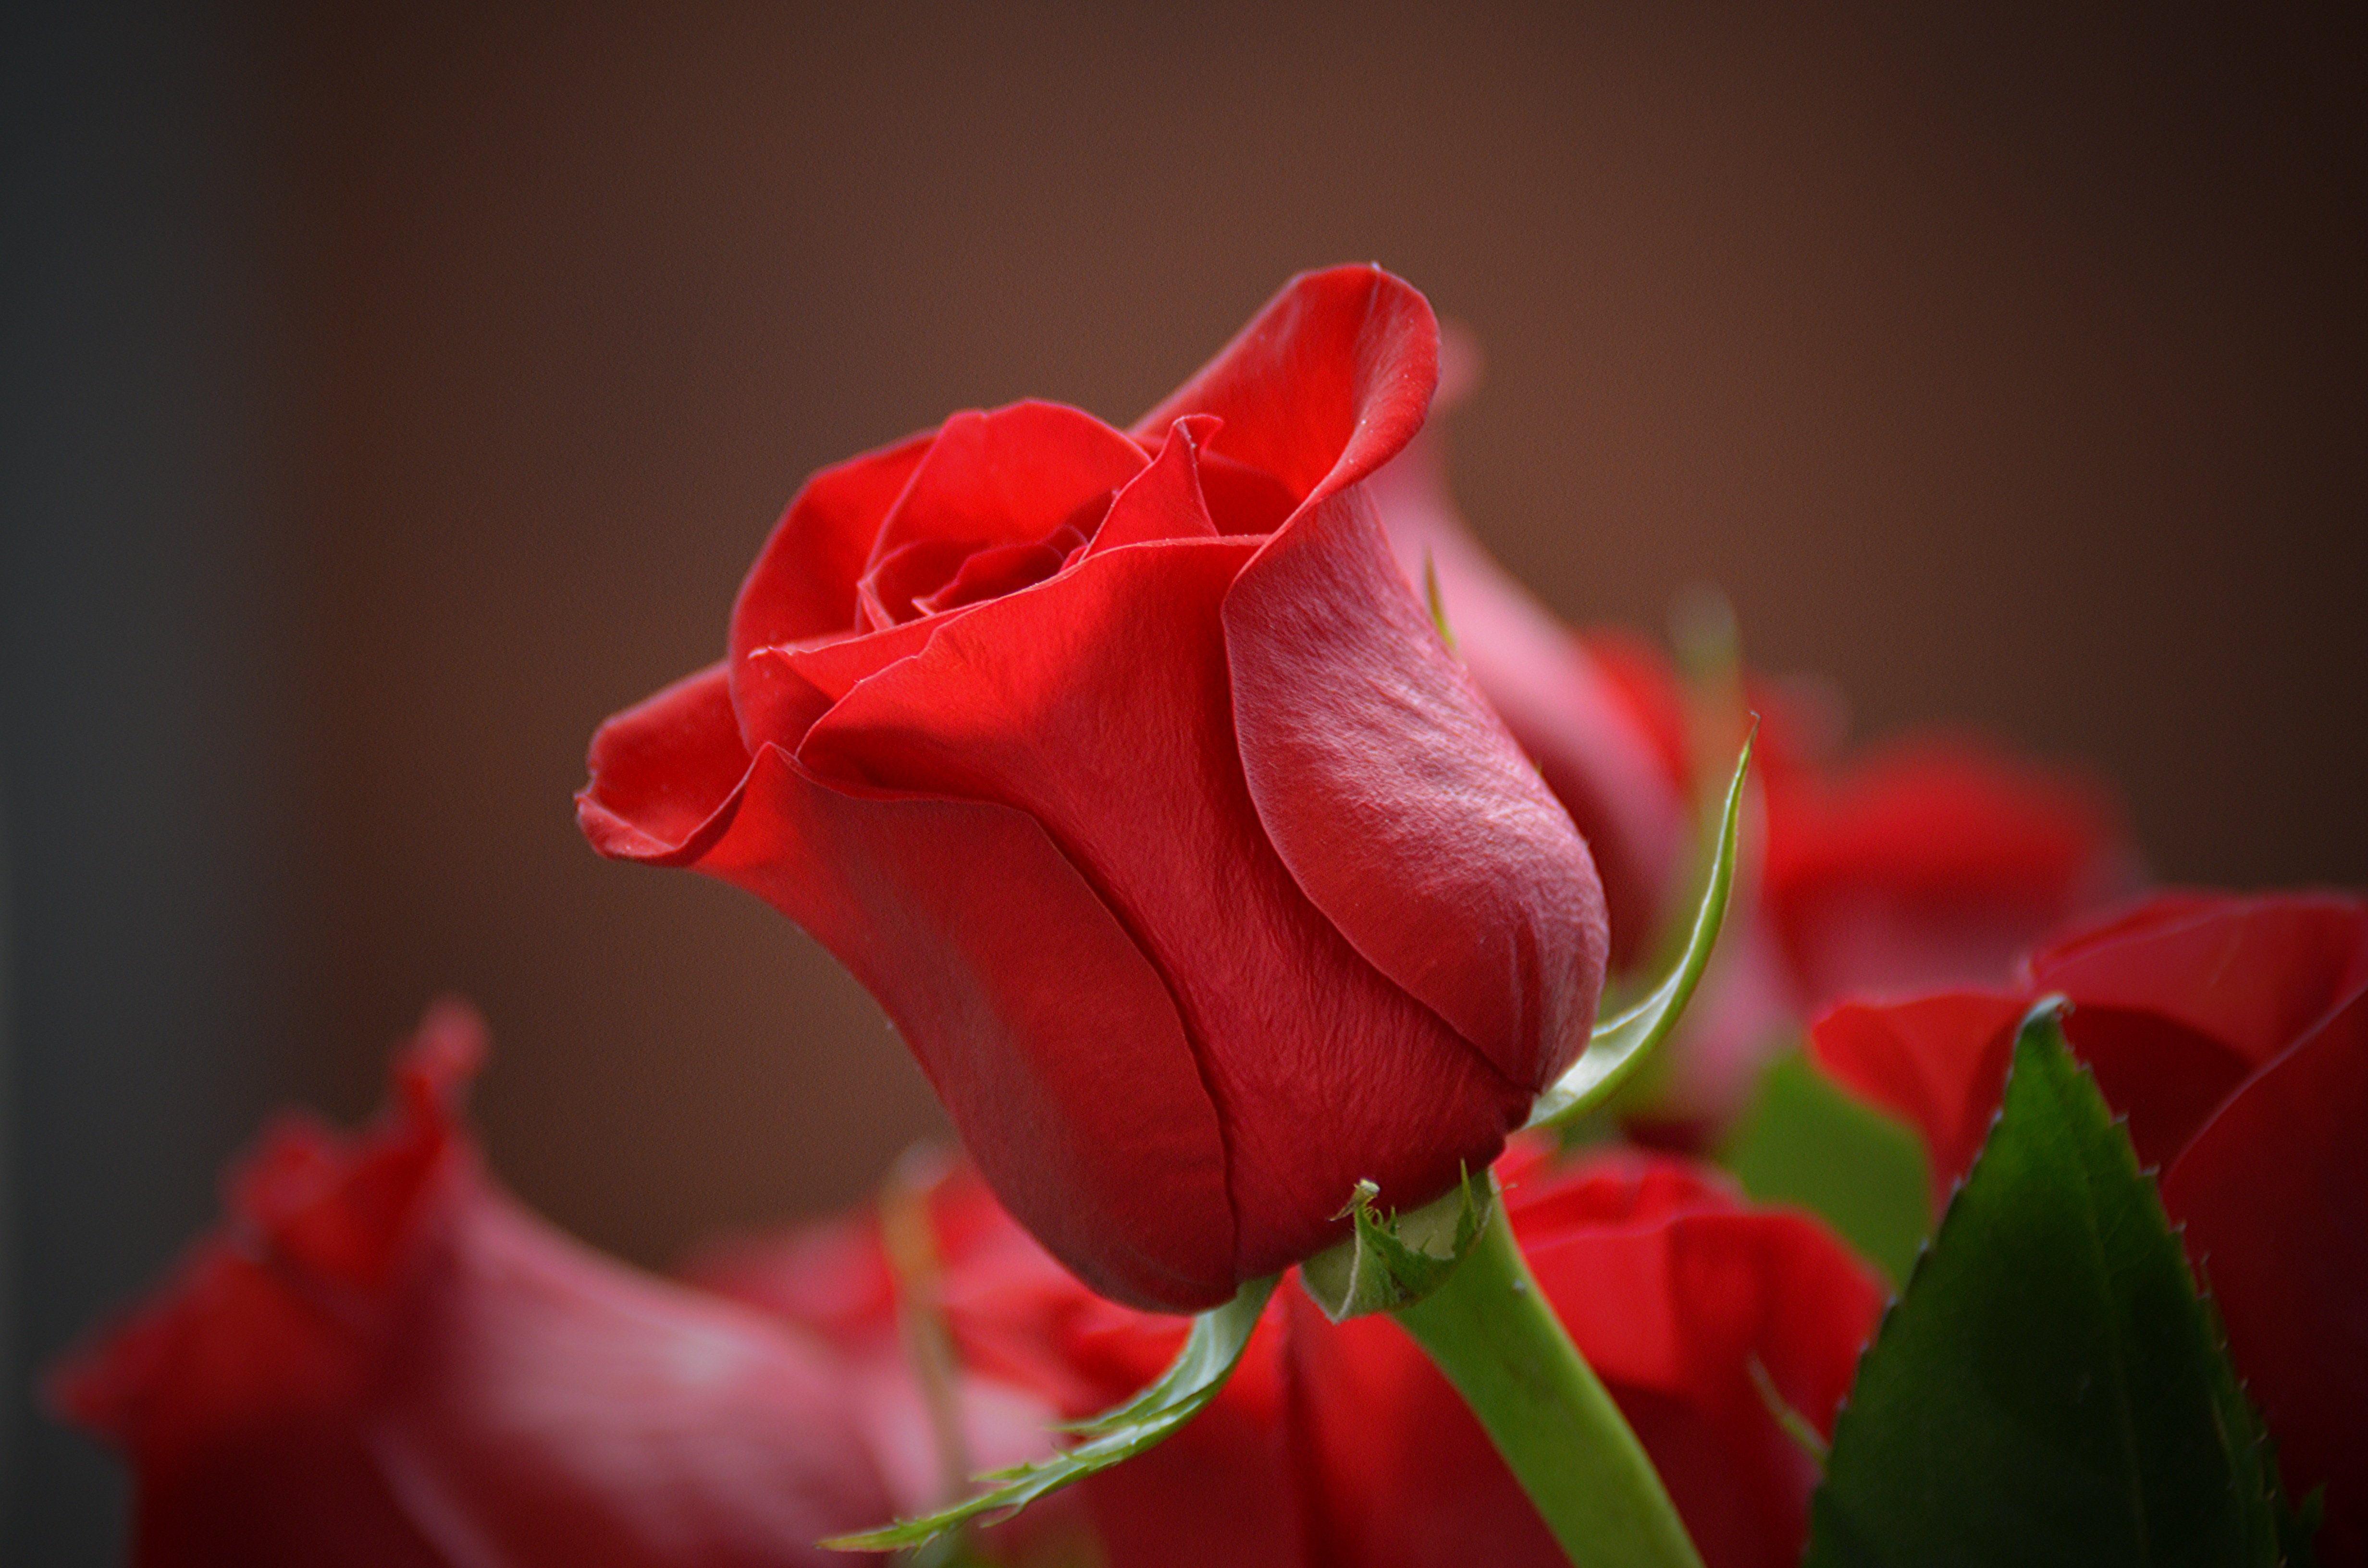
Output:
x=2051 y=1389
x=1808 y=1141
x=1191 y=1381
x=1622 y=1044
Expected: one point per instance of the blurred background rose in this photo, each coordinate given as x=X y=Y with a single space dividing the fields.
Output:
x=393 y=391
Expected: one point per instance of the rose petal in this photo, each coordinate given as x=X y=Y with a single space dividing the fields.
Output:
x=1324 y=385
x=1010 y=476
x=1403 y=810
x=664 y=773
x=550 y=1406
x=1164 y=500
x=1938 y=1062
x=1010 y=981
x=2253 y=972
x=803 y=585
x=2162 y=1077
x=1596 y=757
x=1929 y=864
x=2273 y=1194
x=1100 y=705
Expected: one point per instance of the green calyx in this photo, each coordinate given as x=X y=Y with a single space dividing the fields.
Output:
x=1390 y=1260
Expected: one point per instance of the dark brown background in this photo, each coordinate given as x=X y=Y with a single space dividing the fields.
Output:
x=394 y=396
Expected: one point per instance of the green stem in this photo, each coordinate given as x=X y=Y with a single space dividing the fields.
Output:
x=1489 y=1328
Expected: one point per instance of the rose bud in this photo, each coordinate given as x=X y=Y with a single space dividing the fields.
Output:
x=1342 y=1443
x=1127 y=772
x=2232 y=1033
x=382 y=1359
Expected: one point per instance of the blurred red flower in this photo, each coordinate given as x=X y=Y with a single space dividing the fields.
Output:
x=2232 y=1033
x=381 y=1358
x=1126 y=769
x=1931 y=861
x=1341 y=1444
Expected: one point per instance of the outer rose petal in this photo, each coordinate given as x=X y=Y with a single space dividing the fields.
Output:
x=2273 y=1194
x=1098 y=705
x=1599 y=759
x=1402 y=807
x=666 y=773
x=1004 y=971
x=1011 y=981
x=551 y=1407
x=1939 y=1061
x=1325 y=384
x=2254 y=972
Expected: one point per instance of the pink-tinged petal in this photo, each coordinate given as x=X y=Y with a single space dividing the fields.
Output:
x=1597 y=756
x=1051 y=1039
x=1939 y=1063
x=1932 y=864
x=1324 y=385
x=1100 y=705
x=2273 y=1194
x=803 y=585
x=1747 y=1011
x=553 y=1407
x=2253 y=973
x=384 y=1360
x=664 y=774
x=1403 y=810
x=1011 y=476
x=1164 y=502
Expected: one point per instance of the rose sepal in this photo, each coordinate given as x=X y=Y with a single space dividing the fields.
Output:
x=1391 y=1261
x=1207 y=1359
x=1621 y=1044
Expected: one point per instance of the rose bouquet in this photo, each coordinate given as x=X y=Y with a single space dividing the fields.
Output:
x=1434 y=1087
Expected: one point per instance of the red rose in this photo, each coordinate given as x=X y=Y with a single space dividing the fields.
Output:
x=2232 y=1033
x=1125 y=769
x=382 y=1359
x=1341 y=1444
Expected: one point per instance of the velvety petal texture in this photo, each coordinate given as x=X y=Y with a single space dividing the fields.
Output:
x=1127 y=772
x=1562 y=706
x=2232 y=1034
x=382 y=1359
